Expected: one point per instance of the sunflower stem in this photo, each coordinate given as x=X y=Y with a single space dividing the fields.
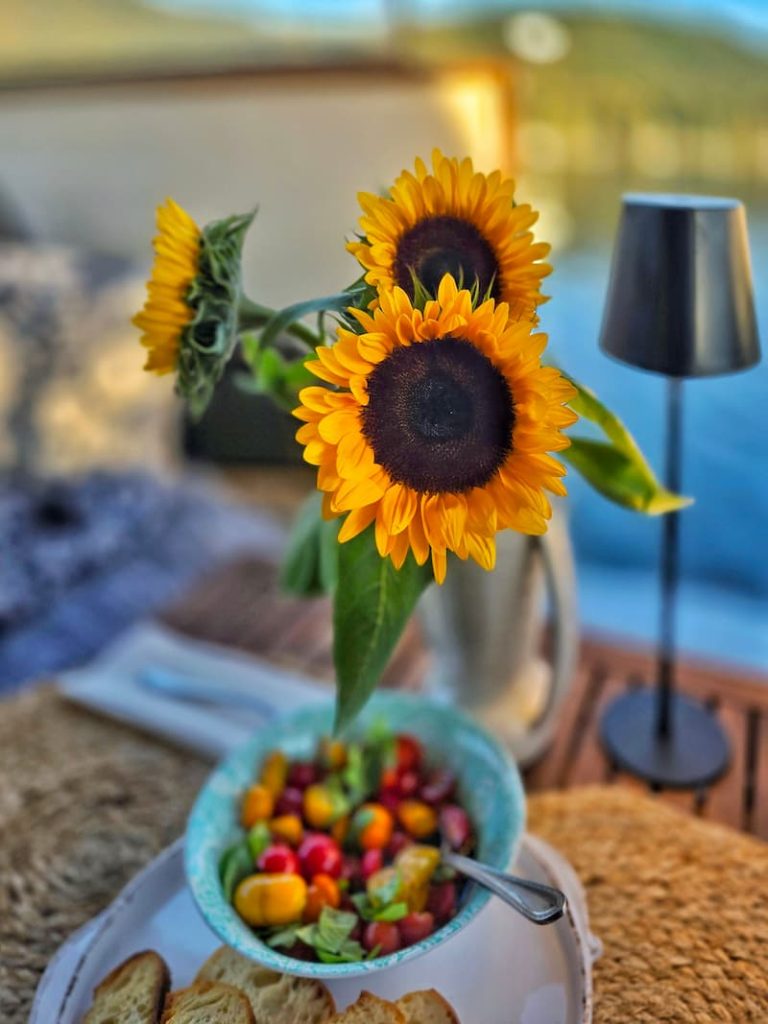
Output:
x=252 y=315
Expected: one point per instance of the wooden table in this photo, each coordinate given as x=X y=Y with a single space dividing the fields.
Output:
x=240 y=605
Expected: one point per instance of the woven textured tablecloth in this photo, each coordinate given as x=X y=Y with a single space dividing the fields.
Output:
x=681 y=905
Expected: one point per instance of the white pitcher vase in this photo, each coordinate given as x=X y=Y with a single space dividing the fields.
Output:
x=485 y=630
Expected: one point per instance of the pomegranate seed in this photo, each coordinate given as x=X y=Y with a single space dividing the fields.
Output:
x=439 y=787
x=454 y=826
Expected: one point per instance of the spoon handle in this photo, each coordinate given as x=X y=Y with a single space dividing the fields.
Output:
x=537 y=902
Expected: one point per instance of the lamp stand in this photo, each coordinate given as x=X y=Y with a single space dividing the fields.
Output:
x=655 y=733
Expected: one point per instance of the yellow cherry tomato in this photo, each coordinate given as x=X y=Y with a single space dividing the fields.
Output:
x=274 y=772
x=319 y=807
x=271 y=899
x=416 y=865
x=258 y=805
x=373 y=824
x=417 y=818
x=287 y=827
x=333 y=754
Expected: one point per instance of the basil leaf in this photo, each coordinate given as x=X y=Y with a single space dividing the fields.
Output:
x=236 y=864
x=334 y=928
x=393 y=912
x=283 y=936
x=372 y=603
x=259 y=838
x=382 y=895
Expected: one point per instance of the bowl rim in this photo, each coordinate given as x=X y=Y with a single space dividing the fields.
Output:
x=509 y=786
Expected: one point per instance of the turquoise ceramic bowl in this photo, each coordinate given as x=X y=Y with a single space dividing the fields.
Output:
x=489 y=787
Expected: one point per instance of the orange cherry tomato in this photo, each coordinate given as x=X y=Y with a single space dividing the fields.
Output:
x=323 y=892
x=258 y=805
x=417 y=818
x=274 y=772
x=287 y=827
x=373 y=825
x=340 y=829
x=271 y=899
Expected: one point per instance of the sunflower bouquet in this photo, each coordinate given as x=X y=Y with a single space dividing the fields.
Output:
x=428 y=411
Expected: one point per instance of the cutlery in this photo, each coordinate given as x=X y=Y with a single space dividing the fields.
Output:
x=194 y=689
x=539 y=903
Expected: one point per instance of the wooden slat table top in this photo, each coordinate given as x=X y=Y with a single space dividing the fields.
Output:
x=241 y=606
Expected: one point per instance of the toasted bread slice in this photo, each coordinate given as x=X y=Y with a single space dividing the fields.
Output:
x=132 y=993
x=369 y=1009
x=427 y=1007
x=274 y=998
x=207 y=1003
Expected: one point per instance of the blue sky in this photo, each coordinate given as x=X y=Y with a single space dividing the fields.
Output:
x=747 y=18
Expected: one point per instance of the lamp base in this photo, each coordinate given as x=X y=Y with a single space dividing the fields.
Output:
x=695 y=753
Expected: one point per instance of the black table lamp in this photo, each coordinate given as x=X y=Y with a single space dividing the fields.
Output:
x=680 y=304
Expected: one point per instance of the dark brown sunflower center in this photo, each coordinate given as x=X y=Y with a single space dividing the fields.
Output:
x=439 y=416
x=446 y=245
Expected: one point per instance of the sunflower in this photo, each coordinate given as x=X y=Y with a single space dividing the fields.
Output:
x=190 y=318
x=439 y=429
x=166 y=312
x=457 y=221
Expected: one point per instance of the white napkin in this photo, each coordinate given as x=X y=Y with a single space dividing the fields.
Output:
x=112 y=685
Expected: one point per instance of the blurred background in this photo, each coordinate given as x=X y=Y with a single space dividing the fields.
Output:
x=107 y=106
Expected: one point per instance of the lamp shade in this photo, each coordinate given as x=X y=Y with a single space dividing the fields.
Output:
x=680 y=293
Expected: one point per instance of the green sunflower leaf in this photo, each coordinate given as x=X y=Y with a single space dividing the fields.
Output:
x=616 y=468
x=372 y=604
x=310 y=564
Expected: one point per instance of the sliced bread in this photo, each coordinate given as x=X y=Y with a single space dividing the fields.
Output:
x=132 y=993
x=369 y=1009
x=427 y=1007
x=207 y=1003
x=274 y=998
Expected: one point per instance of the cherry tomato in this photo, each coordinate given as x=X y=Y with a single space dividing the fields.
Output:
x=302 y=774
x=333 y=754
x=371 y=862
x=454 y=826
x=319 y=855
x=398 y=842
x=274 y=772
x=408 y=783
x=409 y=754
x=415 y=927
x=417 y=818
x=323 y=892
x=416 y=865
x=389 y=798
x=373 y=826
x=382 y=934
x=288 y=828
x=340 y=829
x=319 y=806
x=279 y=859
x=441 y=901
x=439 y=786
x=290 y=801
x=266 y=899
x=258 y=804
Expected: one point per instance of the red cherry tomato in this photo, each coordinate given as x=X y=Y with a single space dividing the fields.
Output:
x=302 y=774
x=290 y=801
x=398 y=842
x=415 y=927
x=408 y=783
x=441 y=901
x=319 y=855
x=438 y=787
x=408 y=753
x=372 y=861
x=279 y=859
x=383 y=934
x=454 y=825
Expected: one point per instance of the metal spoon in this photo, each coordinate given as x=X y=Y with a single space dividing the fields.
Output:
x=537 y=902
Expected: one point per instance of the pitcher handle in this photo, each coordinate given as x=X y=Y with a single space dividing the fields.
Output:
x=559 y=571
